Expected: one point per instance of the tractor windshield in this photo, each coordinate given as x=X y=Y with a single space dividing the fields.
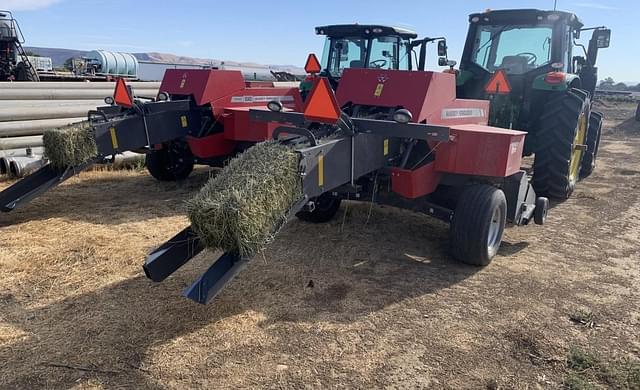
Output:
x=386 y=52
x=516 y=49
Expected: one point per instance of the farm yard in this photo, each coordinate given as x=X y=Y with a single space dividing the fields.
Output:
x=369 y=300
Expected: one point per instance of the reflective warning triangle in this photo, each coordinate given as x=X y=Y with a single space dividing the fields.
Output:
x=122 y=95
x=498 y=84
x=321 y=104
x=313 y=65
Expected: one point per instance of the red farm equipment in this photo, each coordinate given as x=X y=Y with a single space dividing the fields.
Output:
x=398 y=138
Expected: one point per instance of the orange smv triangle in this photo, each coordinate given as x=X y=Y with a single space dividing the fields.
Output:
x=122 y=95
x=313 y=65
x=498 y=85
x=321 y=105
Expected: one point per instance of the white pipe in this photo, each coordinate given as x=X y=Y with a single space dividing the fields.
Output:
x=21 y=142
x=31 y=113
x=33 y=104
x=26 y=152
x=4 y=166
x=75 y=85
x=34 y=127
x=126 y=159
x=22 y=166
x=66 y=94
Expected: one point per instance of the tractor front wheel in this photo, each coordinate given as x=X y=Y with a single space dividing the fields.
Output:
x=173 y=162
x=325 y=208
x=593 y=143
x=560 y=145
x=478 y=224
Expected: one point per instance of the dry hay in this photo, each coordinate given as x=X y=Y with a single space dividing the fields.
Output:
x=69 y=145
x=241 y=209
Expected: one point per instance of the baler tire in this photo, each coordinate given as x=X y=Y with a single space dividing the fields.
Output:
x=565 y=117
x=478 y=224
x=326 y=207
x=165 y=165
x=593 y=144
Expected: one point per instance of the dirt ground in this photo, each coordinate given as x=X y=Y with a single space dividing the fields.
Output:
x=361 y=302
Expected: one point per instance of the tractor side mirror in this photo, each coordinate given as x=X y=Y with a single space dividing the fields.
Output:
x=576 y=34
x=602 y=38
x=443 y=61
x=442 y=48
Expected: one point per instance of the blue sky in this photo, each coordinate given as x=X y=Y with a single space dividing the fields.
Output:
x=281 y=32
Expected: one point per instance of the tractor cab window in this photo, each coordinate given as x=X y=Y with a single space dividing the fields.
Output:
x=516 y=49
x=356 y=52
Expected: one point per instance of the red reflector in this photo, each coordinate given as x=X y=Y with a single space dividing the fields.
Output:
x=555 y=77
x=122 y=95
x=313 y=65
x=498 y=84
x=321 y=105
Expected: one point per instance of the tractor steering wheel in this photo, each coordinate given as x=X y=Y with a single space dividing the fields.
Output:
x=378 y=63
x=532 y=57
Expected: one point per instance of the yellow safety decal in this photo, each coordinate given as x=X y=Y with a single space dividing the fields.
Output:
x=378 y=91
x=114 y=138
x=320 y=170
x=183 y=121
x=386 y=147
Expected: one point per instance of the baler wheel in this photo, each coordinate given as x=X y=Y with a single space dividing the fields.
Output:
x=593 y=144
x=478 y=224
x=560 y=140
x=326 y=207
x=173 y=162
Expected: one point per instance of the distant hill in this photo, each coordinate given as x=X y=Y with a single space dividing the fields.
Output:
x=59 y=56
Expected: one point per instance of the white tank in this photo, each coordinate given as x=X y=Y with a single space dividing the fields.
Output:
x=115 y=63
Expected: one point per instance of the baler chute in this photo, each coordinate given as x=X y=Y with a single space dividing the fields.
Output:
x=396 y=138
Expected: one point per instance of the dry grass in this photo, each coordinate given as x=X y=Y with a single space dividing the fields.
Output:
x=70 y=145
x=386 y=306
x=242 y=208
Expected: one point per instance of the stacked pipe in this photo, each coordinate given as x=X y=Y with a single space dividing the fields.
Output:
x=28 y=109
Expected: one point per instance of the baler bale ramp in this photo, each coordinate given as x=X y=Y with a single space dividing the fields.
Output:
x=115 y=129
x=372 y=144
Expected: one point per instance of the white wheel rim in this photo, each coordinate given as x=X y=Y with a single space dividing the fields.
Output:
x=493 y=239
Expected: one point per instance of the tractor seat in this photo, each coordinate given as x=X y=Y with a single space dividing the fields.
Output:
x=515 y=64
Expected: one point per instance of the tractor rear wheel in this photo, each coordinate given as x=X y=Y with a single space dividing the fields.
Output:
x=173 y=162
x=593 y=143
x=560 y=138
x=478 y=224
x=325 y=208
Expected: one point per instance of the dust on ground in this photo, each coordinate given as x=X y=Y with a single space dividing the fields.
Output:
x=365 y=301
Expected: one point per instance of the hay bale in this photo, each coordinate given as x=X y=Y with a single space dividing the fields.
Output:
x=241 y=209
x=70 y=145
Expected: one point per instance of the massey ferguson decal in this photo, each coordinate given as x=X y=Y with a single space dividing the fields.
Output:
x=457 y=113
x=261 y=99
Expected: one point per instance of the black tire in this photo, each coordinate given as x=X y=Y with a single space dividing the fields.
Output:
x=478 y=224
x=25 y=72
x=638 y=113
x=173 y=162
x=326 y=207
x=563 y=125
x=593 y=143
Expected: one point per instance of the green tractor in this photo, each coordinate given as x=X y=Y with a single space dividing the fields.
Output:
x=540 y=79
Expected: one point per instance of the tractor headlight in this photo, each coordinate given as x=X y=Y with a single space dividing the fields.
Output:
x=109 y=100
x=402 y=116
x=163 y=97
x=274 y=106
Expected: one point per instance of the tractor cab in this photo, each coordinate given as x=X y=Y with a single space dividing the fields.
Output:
x=531 y=47
x=365 y=46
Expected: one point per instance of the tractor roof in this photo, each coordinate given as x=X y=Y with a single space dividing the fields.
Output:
x=363 y=30
x=524 y=16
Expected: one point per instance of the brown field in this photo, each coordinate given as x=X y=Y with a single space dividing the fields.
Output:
x=559 y=306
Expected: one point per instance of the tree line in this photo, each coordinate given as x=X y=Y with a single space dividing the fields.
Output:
x=609 y=84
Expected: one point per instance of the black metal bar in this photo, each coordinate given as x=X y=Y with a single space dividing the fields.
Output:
x=211 y=283
x=172 y=255
x=295 y=118
x=36 y=184
x=297 y=131
x=401 y=130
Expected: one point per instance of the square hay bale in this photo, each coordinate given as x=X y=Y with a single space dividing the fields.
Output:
x=241 y=209
x=69 y=145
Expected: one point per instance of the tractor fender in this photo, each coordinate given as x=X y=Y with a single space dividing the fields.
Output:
x=540 y=83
